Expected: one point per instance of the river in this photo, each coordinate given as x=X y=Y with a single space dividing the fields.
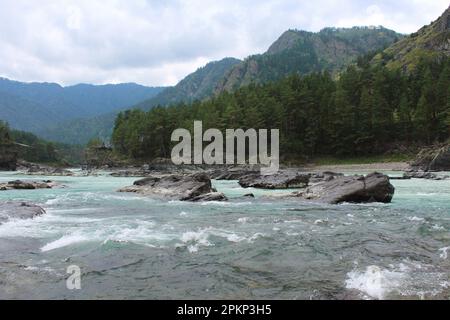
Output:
x=132 y=247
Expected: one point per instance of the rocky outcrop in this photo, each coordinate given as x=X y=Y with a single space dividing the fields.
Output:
x=28 y=185
x=196 y=187
x=424 y=175
x=374 y=187
x=213 y=196
x=232 y=174
x=19 y=210
x=8 y=157
x=430 y=42
x=47 y=171
x=433 y=159
x=284 y=180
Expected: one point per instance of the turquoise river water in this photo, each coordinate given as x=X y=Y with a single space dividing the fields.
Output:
x=132 y=247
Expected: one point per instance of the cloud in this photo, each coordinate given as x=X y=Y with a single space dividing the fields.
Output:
x=158 y=42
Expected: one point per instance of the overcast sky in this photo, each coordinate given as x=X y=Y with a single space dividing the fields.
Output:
x=158 y=42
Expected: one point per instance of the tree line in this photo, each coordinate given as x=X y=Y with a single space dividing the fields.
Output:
x=365 y=111
x=34 y=149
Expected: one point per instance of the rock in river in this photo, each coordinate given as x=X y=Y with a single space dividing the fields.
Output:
x=282 y=180
x=18 y=210
x=374 y=187
x=196 y=187
x=27 y=185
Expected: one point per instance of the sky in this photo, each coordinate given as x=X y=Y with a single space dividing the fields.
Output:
x=159 y=42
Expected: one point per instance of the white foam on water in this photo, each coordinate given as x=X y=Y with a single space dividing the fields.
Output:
x=235 y=238
x=196 y=239
x=243 y=220
x=193 y=240
x=225 y=204
x=416 y=219
x=444 y=253
x=374 y=282
x=64 y=242
x=407 y=279
x=255 y=237
x=438 y=227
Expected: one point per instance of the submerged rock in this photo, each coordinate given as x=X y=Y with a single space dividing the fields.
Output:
x=178 y=187
x=27 y=185
x=19 y=210
x=374 y=187
x=283 y=180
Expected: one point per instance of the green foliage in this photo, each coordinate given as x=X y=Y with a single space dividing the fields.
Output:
x=363 y=113
x=5 y=133
x=33 y=149
x=301 y=52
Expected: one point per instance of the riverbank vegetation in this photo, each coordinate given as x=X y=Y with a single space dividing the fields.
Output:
x=31 y=148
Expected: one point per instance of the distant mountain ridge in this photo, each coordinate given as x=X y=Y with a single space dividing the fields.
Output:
x=196 y=86
x=304 y=52
x=36 y=106
x=78 y=113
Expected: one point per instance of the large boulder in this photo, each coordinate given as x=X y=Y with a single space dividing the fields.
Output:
x=435 y=158
x=27 y=185
x=178 y=187
x=374 y=187
x=18 y=210
x=282 y=180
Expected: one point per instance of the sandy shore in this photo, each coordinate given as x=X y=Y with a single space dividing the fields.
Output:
x=388 y=166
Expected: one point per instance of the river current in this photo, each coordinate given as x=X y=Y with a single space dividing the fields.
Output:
x=133 y=247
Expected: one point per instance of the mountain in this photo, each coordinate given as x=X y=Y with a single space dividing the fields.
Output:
x=304 y=52
x=36 y=106
x=25 y=114
x=430 y=42
x=80 y=131
x=196 y=86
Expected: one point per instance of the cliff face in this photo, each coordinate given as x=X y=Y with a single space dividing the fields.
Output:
x=430 y=43
x=302 y=52
x=8 y=157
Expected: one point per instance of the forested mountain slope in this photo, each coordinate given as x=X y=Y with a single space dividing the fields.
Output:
x=302 y=52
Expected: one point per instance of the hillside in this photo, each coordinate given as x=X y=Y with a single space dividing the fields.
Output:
x=305 y=52
x=432 y=42
x=80 y=131
x=37 y=106
x=196 y=86
x=369 y=110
